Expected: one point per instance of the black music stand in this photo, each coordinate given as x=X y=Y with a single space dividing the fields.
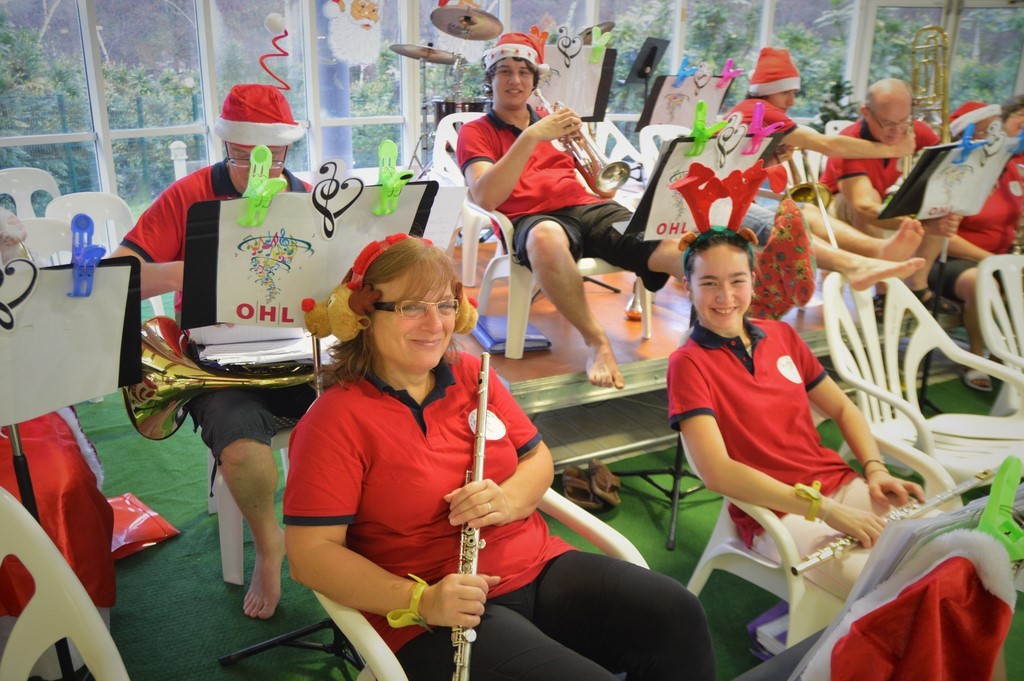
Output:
x=678 y=471
x=646 y=61
x=338 y=645
x=49 y=367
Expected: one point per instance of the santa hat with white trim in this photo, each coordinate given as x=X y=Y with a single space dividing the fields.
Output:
x=257 y=114
x=774 y=73
x=528 y=47
x=971 y=112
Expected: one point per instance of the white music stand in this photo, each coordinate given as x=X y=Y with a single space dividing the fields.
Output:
x=49 y=338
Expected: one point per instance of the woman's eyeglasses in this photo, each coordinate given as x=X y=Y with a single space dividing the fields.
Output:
x=417 y=309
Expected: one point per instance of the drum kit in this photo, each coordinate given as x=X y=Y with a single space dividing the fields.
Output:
x=467 y=23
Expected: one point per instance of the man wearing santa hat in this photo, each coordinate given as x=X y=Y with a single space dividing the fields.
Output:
x=511 y=166
x=237 y=425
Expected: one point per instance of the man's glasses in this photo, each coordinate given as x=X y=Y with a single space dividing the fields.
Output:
x=243 y=163
x=417 y=309
x=889 y=125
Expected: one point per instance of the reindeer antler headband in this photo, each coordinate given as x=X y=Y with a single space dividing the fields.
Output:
x=701 y=188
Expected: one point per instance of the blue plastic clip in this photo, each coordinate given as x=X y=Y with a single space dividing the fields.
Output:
x=728 y=73
x=759 y=130
x=967 y=144
x=685 y=71
x=391 y=180
x=1017 y=146
x=598 y=41
x=261 y=188
x=701 y=132
x=84 y=256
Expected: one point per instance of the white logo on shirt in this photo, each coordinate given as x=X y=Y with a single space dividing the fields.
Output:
x=1015 y=188
x=494 y=430
x=787 y=367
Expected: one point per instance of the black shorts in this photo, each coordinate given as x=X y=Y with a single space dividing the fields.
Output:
x=225 y=416
x=592 y=234
x=953 y=269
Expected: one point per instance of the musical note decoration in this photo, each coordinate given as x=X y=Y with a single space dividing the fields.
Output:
x=10 y=296
x=759 y=130
x=269 y=255
x=329 y=189
x=568 y=46
x=701 y=133
x=391 y=180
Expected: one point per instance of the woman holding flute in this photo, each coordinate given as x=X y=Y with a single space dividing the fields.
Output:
x=740 y=393
x=377 y=498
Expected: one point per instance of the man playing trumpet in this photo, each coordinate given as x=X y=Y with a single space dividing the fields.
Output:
x=511 y=166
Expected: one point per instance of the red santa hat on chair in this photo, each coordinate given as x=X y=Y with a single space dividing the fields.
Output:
x=528 y=47
x=774 y=73
x=257 y=114
x=971 y=112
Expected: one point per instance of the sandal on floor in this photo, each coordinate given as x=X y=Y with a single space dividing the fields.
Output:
x=576 y=488
x=977 y=380
x=927 y=298
x=604 y=484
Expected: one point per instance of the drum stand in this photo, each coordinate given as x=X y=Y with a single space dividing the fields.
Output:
x=426 y=133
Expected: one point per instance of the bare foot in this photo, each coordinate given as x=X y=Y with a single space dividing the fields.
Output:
x=602 y=369
x=903 y=243
x=871 y=271
x=265 y=590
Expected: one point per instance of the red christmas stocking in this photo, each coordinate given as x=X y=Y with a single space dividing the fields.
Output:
x=786 y=268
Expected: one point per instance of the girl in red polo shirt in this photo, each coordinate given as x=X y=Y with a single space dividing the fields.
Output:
x=377 y=496
x=740 y=393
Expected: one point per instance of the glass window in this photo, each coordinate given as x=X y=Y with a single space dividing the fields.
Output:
x=816 y=33
x=716 y=31
x=894 y=34
x=146 y=166
x=73 y=166
x=548 y=15
x=988 y=55
x=635 y=22
x=441 y=84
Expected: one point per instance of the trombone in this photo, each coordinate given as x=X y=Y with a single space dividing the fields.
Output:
x=806 y=189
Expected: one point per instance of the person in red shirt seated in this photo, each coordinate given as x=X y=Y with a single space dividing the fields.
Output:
x=377 y=497
x=511 y=166
x=992 y=231
x=237 y=425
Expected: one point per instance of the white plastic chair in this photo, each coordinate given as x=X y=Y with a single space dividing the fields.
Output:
x=112 y=219
x=22 y=183
x=1000 y=301
x=445 y=168
x=614 y=144
x=382 y=664
x=521 y=285
x=811 y=608
x=59 y=609
x=48 y=239
x=869 y=360
x=229 y=516
x=650 y=139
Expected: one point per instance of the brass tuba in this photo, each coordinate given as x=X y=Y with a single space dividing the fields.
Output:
x=604 y=177
x=170 y=378
x=929 y=81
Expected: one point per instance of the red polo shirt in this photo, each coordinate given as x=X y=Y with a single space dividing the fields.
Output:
x=882 y=172
x=547 y=183
x=772 y=114
x=369 y=457
x=760 y=404
x=995 y=227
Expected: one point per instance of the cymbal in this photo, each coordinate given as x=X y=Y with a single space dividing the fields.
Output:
x=466 y=22
x=430 y=54
x=587 y=36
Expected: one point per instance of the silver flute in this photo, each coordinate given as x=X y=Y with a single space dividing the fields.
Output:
x=835 y=548
x=471 y=542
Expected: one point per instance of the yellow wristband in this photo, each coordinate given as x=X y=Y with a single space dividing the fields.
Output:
x=811 y=492
x=411 y=615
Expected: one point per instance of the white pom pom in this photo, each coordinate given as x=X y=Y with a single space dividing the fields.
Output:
x=275 y=23
x=331 y=9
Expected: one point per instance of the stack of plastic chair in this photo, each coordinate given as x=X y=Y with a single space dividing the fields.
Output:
x=1000 y=303
x=21 y=184
x=651 y=139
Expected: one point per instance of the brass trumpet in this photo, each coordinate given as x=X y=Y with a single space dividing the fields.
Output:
x=604 y=177
x=170 y=379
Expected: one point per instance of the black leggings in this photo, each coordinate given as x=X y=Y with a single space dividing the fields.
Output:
x=586 y=616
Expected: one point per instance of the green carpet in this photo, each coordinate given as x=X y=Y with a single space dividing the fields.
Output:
x=174 y=616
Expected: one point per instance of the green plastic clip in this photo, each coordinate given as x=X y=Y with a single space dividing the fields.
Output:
x=261 y=188
x=997 y=518
x=701 y=132
x=598 y=41
x=391 y=181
